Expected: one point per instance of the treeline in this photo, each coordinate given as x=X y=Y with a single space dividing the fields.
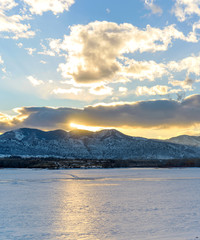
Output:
x=57 y=163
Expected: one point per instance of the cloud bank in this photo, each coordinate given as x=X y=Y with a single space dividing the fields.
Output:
x=143 y=114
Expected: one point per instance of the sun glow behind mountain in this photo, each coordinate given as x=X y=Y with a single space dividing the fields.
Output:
x=83 y=127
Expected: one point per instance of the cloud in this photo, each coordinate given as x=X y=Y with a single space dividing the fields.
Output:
x=20 y=45
x=3 y=69
x=157 y=113
x=186 y=84
x=30 y=50
x=50 y=89
x=190 y=64
x=56 y=6
x=101 y=90
x=143 y=114
x=1 y=60
x=155 y=90
x=107 y=10
x=12 y=26
x=8 y=122
x=35 y=82
x=123 y=90
x=45 y=117
x=7 y=4
x=144 y=70
x=186 y=8
x=46 y=51
x=155 y=9
x=94 y=52
x=43 y=62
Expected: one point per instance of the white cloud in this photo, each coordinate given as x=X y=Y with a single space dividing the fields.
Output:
x=186 y=8
x=3 y=70
x=46 y=51
x=7 y=4
x=144 y=69
x=123 y=90
x=20 y=45
x=35 y=82
x=155 y=90
x=43 y=62
x=190 y=64
x=12 y=26
x=101 y=90
x=30 y=50
x=50 y=89
x=1 y=60
x=93 y=51
x=56 y=6
x=186 y=84
x=155 y=9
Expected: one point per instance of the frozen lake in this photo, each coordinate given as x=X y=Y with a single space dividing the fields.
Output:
x=112 y=204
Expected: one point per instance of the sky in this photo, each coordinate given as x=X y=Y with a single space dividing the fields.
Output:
x=129 y=65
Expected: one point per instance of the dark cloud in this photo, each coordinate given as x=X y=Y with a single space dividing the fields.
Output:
x=46 y=117
x=158 y=113
x=147 y=113
x=144 y=114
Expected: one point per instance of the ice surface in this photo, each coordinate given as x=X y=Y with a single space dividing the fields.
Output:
x=112 y=204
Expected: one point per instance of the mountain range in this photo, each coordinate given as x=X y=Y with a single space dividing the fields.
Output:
x=105 y=144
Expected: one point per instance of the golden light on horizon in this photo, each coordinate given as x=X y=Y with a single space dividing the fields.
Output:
x=151 y=133
x=83 y=127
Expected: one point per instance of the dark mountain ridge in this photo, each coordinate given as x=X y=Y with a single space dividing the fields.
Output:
x=81 y=144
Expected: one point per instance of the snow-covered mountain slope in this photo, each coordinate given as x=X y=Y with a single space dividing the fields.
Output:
x=79 y=144
x=186 y=140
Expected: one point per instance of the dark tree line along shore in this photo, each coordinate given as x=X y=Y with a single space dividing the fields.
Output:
x=57 y=163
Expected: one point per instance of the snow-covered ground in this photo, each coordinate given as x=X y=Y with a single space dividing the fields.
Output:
x=112 y=204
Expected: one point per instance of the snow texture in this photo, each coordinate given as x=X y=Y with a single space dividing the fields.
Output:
x=186 y=140
x=106 y=204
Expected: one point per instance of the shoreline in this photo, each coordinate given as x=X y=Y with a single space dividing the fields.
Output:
x=58 y=163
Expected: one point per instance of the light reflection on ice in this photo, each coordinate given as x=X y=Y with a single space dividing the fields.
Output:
x=111 y=204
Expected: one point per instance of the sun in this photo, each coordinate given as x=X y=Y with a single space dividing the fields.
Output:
x=83 y=127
